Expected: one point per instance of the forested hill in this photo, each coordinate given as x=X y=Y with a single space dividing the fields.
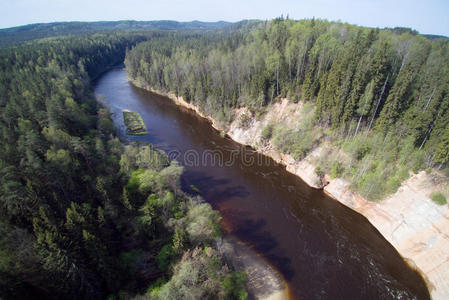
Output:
x=14 y=35
x=83 y=216
x=381 y=95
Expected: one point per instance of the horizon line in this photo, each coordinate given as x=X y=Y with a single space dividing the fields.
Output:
x=222 y=20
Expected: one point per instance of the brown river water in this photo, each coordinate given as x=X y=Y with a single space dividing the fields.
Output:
x=323 y=249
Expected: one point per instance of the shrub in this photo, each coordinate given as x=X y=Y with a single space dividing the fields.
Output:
x=362 y=150
x=360 y=146
x=106 y=126
x=371 y=186
x=303 y=143
x=234 y=285
x=297 y=142
x=200 y=275
x=418 y=161
x=267 y=132
x=337 y=170
x=203 y=224
x=163 y=259
x=195 y=189
x=179 y=240
x=148 y=157
x=319 y=172
x=438 y=198
x=155 y=287
x=129 y=259
x=283 y=139
x=245 y=120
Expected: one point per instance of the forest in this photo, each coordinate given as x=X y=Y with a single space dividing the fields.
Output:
x=82 y=214
x=20 y=34
x=379 y=97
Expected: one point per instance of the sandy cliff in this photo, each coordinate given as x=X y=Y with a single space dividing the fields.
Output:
x=408 y=219
x=412 y=223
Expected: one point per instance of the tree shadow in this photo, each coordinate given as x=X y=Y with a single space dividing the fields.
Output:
x=262 y=241
x=203 y=182
x=230 y=192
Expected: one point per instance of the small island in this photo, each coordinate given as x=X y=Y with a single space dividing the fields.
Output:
x=134 y=123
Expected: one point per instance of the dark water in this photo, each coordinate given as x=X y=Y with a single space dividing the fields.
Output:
x=323 y=249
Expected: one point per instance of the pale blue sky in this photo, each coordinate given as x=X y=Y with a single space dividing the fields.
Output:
x=426 y=16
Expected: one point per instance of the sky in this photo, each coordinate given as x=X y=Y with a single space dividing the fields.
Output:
x=426 y=16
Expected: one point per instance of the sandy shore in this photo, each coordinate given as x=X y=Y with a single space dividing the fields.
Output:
x=264 y=282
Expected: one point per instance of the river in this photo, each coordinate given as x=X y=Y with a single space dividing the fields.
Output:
x=323 y=249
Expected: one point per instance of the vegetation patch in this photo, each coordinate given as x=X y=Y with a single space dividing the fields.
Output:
x=438 y=198
x=267 y=132
x=337 y=170
x=195 y=189
x=245 y=120
x=134 y=123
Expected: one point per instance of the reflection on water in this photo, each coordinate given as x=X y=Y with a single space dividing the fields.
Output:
x=323 y=249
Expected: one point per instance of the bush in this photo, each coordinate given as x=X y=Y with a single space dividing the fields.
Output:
x=297 y=142
x=360 y=146
x=129 y=259
x=198 y=275
x=155 y=287
x=267 y=132
x=203 y=224
x=319 y=172
x=234 y=285
x=417 y=161
x=106 y=126
x=395 y=180
x=283 y=139
x=380 y=163
x=337 y=170
x=245 y=120
x=304 y=141
x=371 y=186
x=163 y=259
x=438 y=198
x=362 y=150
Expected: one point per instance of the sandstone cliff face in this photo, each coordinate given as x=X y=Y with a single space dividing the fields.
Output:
x=412 y=223
x=408 y=219
x=284 y=112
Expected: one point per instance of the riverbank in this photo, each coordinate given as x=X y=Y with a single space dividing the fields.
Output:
x=409 y=220
x=264 y=282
